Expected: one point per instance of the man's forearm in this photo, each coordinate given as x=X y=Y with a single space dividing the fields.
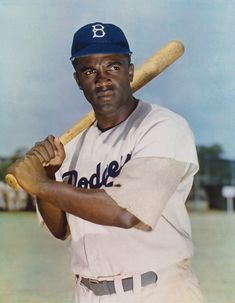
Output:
x=93 y=205
x=54 y=218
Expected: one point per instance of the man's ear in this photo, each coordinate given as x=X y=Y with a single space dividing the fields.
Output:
x=131 y=71
x=75 y=75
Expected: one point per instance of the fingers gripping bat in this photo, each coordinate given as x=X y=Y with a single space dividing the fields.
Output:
x=151 y=68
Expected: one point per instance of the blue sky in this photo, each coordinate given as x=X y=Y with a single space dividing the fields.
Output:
x=38 y=95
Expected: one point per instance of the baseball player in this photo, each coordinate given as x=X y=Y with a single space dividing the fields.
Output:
x=119 y=187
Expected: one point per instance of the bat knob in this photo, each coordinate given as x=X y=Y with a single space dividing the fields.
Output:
x=12 y=182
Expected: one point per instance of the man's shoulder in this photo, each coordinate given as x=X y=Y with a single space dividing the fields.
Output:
x=158 y=114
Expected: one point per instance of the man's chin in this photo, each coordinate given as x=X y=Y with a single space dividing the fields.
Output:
x=105 y=109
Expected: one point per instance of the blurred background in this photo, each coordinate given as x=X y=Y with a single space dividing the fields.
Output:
x=38 y=96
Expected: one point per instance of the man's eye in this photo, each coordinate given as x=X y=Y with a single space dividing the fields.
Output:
x=89 y=72
x=114 y=67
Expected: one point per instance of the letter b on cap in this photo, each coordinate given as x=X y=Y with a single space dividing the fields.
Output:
x=98 y=31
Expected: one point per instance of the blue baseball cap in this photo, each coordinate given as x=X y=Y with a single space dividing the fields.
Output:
x=99 y=38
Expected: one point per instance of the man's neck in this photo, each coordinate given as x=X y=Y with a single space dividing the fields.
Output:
x=107 y=121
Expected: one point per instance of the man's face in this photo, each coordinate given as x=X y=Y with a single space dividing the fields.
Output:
x=105 y=81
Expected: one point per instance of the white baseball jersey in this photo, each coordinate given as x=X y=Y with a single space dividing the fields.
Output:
x=134 y=162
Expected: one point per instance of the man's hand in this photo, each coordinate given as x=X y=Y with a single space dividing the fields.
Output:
x=39 y=164
x=30 y=173
x=51 y=154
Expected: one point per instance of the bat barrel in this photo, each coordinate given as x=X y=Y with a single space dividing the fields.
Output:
x=157 y=63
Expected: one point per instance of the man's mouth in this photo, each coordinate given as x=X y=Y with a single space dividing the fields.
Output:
x=108 y=93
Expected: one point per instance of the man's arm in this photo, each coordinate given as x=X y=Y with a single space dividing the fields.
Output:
x=93 y=205
x=54 y=218
x=51 y=154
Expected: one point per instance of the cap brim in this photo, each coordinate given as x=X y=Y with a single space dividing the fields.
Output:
x=103 y=48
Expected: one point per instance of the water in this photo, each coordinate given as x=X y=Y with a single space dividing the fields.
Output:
x=34 y=267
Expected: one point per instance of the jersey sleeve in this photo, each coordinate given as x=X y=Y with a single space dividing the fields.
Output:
x=145 y=185
x=166 y=137
x=162 y=164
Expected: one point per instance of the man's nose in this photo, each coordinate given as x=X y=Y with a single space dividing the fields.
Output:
x=102 y=79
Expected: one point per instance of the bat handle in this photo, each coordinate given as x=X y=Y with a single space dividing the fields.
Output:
x=12 y=182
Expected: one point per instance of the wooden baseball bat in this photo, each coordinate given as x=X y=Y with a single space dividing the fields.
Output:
x=151 y=68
